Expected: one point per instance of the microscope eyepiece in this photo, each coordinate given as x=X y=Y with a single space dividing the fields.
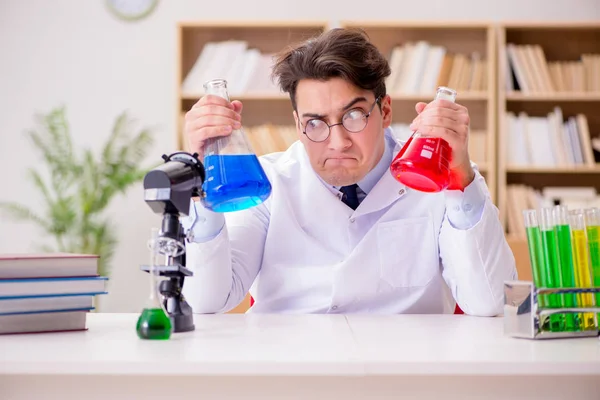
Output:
x=169 y=187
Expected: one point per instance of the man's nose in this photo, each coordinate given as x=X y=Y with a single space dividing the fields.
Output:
x=339 y=138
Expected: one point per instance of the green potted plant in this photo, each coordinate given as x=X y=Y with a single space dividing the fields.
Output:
x=80 y=185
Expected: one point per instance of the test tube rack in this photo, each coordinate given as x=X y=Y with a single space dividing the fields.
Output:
x=523 y=315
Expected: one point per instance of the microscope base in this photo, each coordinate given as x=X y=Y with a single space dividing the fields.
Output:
x=183 y=323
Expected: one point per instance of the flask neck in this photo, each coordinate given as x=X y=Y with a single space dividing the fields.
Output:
x=444 y=93
x=217 y=87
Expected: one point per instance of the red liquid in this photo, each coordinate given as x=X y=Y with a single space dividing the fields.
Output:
x=422 y=164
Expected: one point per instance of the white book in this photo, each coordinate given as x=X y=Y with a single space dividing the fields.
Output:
x=235 y=65
x=574 y=137
x=194 y=80
x=517 y=150
x=581 y=192
x=219 y=63
x=564 y=137
x=585 y=140
x=395 y=67
x=433 y=66
x=538 y=135
x=555 y=131
x=251 y=59
x=517 y=67
x=403 y=78
x=414 y=70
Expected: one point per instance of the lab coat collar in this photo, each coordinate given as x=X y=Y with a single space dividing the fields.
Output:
x=387 y=190
x=385 y=193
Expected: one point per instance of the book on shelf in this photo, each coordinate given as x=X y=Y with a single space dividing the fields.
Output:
x=420 y=67
x=521 y=197
x=528 y=71
x=549 y=141
x=247 y=70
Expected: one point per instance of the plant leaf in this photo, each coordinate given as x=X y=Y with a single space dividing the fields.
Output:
x=21 y=213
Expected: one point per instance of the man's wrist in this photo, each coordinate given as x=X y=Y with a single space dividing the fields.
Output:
x=461 y=177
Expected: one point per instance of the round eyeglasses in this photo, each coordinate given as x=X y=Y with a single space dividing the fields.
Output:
x=354 y=121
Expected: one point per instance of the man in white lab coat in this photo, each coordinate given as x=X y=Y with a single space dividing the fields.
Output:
x=339 y=234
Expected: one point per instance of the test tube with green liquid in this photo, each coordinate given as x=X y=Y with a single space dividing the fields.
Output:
x=592 y=223
x=536 y=257
x=560 y=217
x=581 y=261
x=551 y=266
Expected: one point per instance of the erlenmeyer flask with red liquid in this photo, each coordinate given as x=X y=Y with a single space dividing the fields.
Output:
x=423 y=162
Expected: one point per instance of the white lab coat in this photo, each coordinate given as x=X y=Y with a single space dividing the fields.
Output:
x=305 y=251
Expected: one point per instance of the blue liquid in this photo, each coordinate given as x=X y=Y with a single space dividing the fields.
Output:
x=234 y=182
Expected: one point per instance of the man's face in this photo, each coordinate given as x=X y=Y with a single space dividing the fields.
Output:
x=345 y=157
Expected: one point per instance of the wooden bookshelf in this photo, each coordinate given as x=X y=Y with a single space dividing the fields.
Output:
x=536 y=91
x=260 y=107
x=465 y=39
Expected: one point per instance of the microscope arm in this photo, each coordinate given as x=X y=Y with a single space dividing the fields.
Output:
x=168 y=190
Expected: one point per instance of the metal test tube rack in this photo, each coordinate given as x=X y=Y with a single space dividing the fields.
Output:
x=523 y=316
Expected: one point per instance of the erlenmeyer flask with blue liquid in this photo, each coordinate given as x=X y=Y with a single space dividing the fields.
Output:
x=235 y=180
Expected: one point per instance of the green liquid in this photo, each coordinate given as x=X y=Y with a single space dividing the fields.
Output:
x=565 y=257
x=154 y=324
x=593 y=233
x=552 y=277
x=536 y=257
x=583 y=277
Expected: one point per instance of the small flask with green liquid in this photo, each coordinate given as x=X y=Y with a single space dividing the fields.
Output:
x=154 y=323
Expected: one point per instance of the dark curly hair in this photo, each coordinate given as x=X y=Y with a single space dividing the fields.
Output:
x=343 y=53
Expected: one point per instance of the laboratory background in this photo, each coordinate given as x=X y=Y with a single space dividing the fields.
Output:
x=86 y=86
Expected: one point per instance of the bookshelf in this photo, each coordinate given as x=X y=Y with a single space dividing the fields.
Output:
x=548 y=102
x=241 y=50
x=429 y=54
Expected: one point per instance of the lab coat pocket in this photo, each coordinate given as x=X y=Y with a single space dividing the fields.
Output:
x=408 y=252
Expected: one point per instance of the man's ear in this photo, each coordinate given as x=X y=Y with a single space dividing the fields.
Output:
x=386 y=111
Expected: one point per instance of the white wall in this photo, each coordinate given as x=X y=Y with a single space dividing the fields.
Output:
x=75 y=53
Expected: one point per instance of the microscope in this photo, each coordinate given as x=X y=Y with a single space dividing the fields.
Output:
x=168 y=190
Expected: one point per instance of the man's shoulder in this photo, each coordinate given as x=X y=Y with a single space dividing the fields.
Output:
x=282 y=162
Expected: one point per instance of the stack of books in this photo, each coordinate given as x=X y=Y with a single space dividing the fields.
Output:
x=47 y=292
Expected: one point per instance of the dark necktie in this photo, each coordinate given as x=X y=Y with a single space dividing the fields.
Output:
x=350 y=197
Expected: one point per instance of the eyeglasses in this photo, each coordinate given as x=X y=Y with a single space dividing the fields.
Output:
x=354 y=121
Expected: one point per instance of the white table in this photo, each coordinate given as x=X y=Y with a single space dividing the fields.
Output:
x=249 y=356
